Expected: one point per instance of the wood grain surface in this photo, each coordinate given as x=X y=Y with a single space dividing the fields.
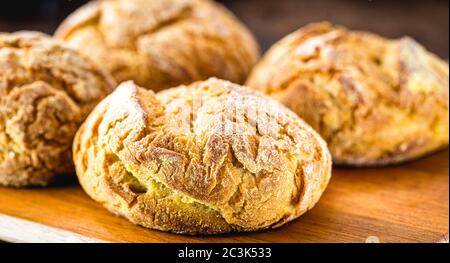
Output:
x=407 y=203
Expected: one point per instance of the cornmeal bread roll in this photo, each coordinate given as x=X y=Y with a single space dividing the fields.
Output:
x=208 y=158
x=375 y=101
x=46 y=91
x=162 y=43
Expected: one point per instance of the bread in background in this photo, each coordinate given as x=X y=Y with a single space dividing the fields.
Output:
x=162 y=44
x=375 y=101
x=46 y=91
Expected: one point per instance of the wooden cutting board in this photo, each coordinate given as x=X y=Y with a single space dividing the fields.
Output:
x=407 y=203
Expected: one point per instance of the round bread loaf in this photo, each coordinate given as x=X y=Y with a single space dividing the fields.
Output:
x=46 y=91
x=161 y=44
x=208 y=158
x=375 y=101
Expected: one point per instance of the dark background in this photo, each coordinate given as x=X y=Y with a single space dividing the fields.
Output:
x=425 y=20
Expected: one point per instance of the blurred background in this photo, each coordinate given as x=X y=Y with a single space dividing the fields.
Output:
x=426 y=21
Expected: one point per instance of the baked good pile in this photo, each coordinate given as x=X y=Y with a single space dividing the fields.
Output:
x=180 y=145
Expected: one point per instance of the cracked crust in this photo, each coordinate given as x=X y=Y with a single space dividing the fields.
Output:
x=46 y=91
x=208 y=158
x=162 y=44
x=375 y=101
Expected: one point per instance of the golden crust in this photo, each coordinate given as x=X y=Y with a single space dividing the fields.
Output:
x=46 y=91
x=375 y=101
x=208 y=158
x=162 y=44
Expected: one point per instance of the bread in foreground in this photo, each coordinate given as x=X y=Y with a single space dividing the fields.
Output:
x=375 y=101
x=162 y=44
x=46 y=91
x=208 y=158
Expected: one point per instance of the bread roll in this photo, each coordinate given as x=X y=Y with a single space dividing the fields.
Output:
x=208 y=158
x=375 y=101
x=46 y=91
x=161 y=44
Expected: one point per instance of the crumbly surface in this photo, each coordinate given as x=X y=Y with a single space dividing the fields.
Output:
x=208 y=158
x=46 y=91
x=375 y=101
x=162 y=44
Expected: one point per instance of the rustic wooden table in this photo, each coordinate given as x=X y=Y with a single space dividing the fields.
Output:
x=407 y=203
